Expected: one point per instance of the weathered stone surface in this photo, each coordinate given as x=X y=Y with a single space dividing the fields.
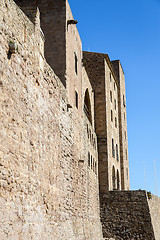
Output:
x=126 y=215
x=47 y=190
x=154 y=207
x=56 y=131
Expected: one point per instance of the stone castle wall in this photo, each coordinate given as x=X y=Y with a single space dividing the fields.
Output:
x=47 y=190
x=154 y=207
x=126 y=215
x=52 y=149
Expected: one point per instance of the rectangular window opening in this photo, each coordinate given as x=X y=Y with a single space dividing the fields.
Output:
x=76 y=95
x=76 y=63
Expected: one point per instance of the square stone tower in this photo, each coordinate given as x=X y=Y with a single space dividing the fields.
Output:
x=108 y=82
x=63 y=47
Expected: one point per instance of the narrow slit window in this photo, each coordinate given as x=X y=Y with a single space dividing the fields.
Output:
x=115 y=122
x=76 y=63
x=88 y=159
x=76 y=96
x=113 y=150
x=111 y=96
x=111 y=116
x=117 y=152
x=115 y=104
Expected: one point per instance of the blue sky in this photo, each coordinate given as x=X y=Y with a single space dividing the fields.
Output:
x=129 y=30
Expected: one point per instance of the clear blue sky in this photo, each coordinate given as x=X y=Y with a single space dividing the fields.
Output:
x=129 y=30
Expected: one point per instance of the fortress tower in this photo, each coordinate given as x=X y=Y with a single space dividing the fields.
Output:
x=107 y=79
x=63 y=47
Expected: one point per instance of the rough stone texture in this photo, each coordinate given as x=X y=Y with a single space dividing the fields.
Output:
x=154 y=206
x=53 y=23
x=126 y=215
x=56 y=131
x=47 y=190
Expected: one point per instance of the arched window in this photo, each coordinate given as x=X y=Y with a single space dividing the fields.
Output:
x=87 y=106
x=118 y=181
x=113 y=178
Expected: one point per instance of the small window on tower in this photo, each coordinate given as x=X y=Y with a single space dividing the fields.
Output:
x=113 y=150
x=115 y=122
x=89 y=159
x=124 y=103
x=76 y=96
x=115 y=104
x=111 y=116
x=117 y=152
x=76 y=63
x=111 y=96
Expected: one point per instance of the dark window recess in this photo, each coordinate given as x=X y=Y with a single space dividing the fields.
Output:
x=111 y=96
x=113 y=178
x=115 y=104
x=76 y=63
x=117 y=152
x=124 y=103
x=115 y=122
x=95 y=167
x=88 y=159
x=76 y=96
x=87 y=106
x=113 y=150
x=110 y=77
x=111 y=116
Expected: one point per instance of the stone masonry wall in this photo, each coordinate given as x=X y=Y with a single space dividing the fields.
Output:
x=94 y=64
x=53 y=23
x=122 y=125
x=126 y=215
x=154 y=206
x=45 y=192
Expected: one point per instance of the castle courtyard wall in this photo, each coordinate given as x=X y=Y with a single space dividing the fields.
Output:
x=45 y=191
